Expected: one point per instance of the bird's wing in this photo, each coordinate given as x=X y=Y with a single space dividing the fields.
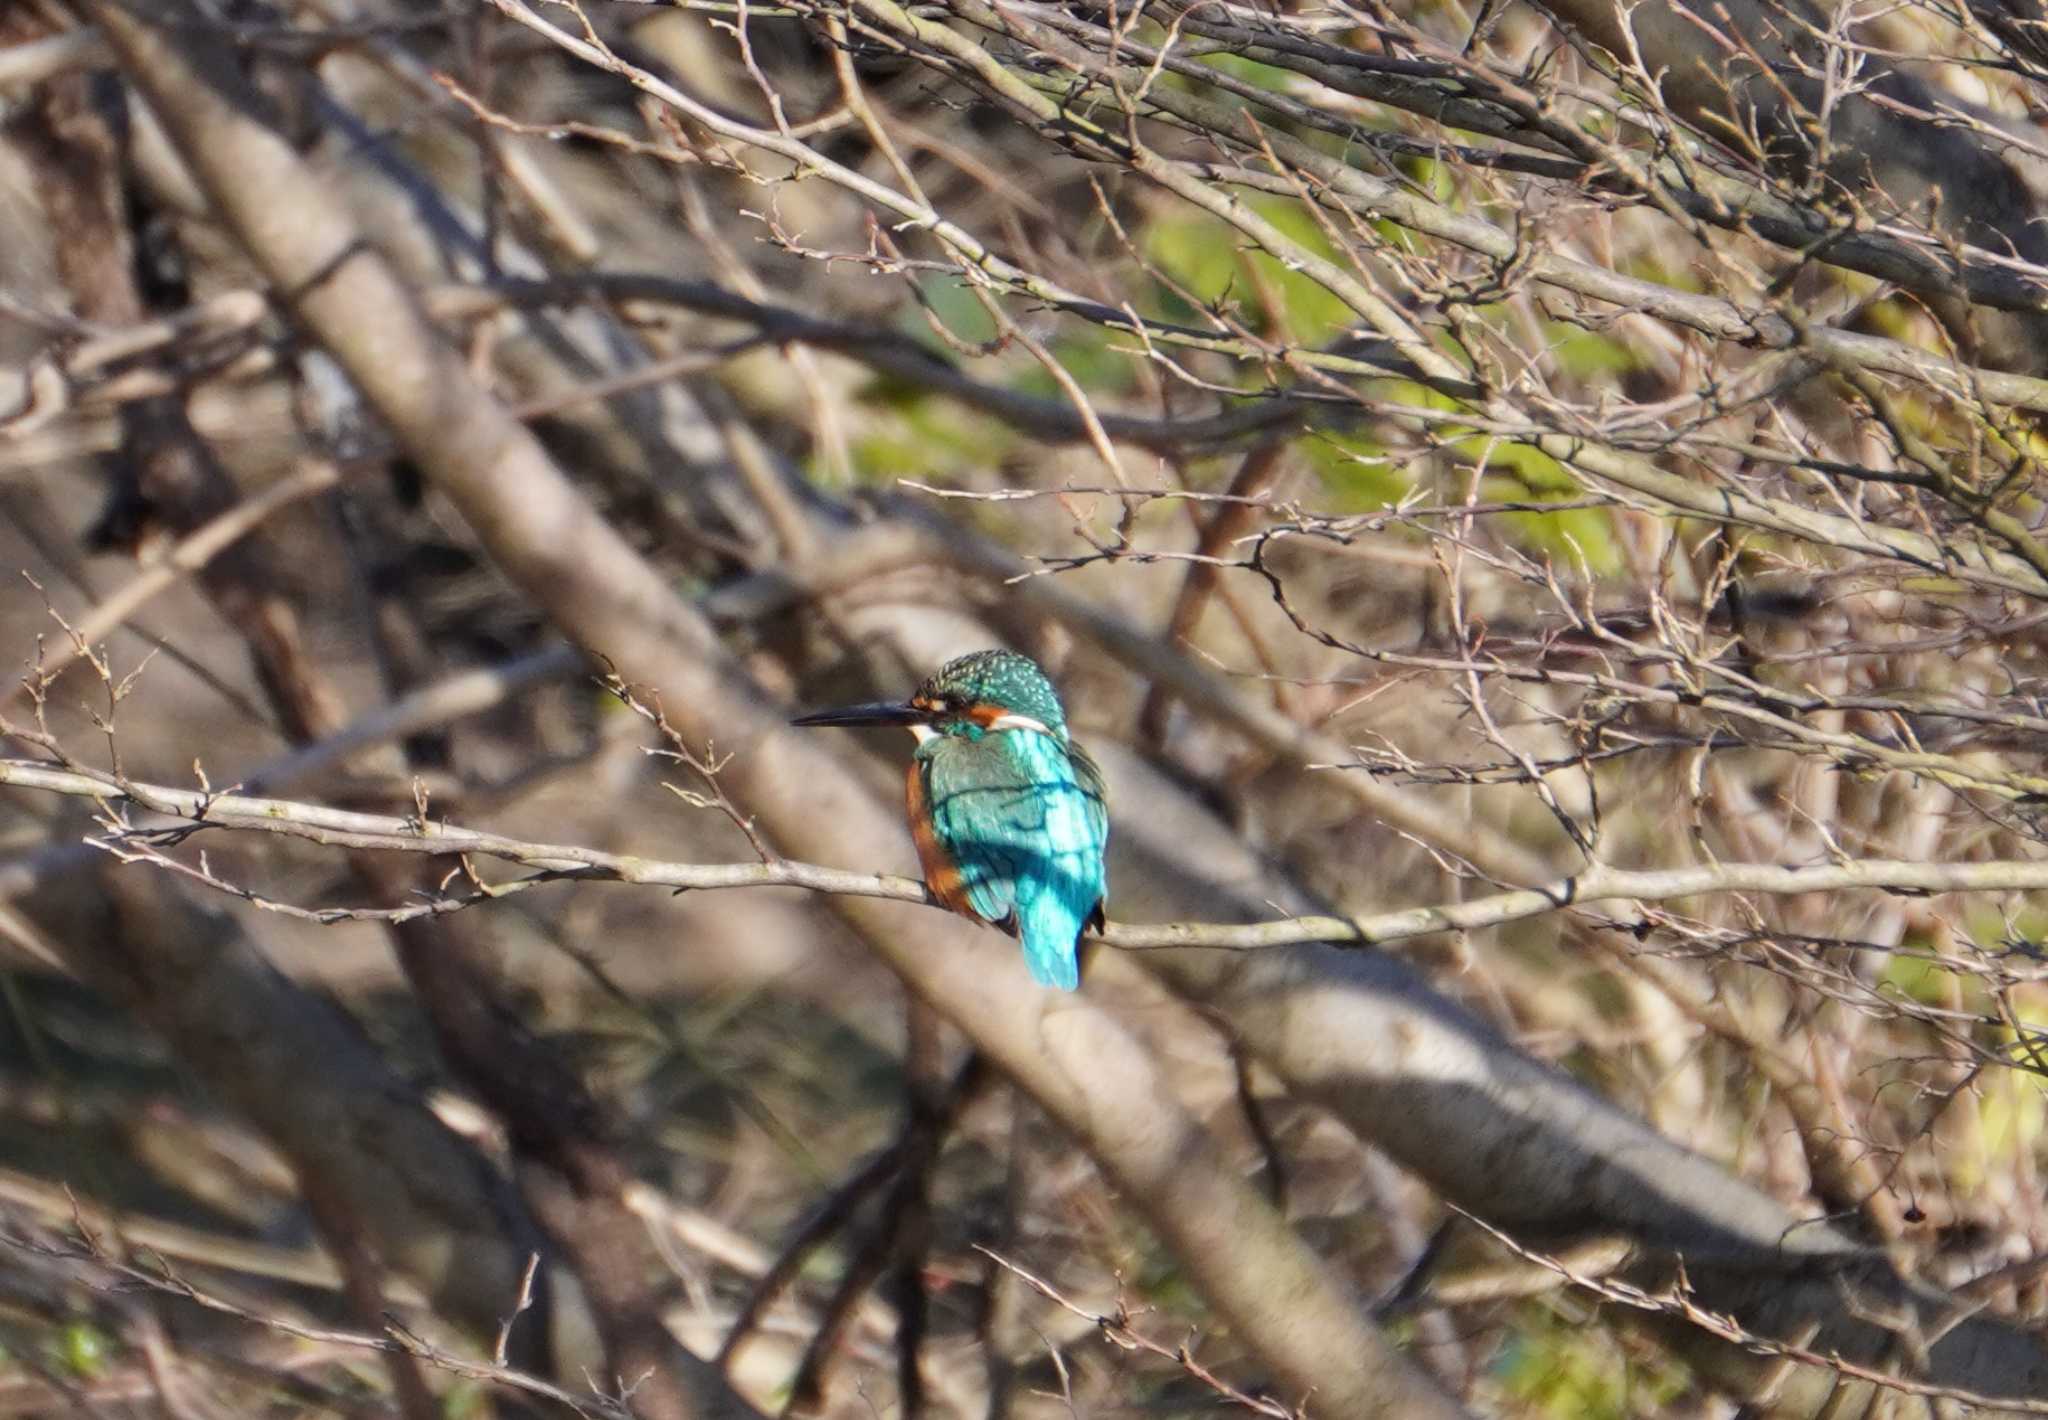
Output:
x=987 y=817
x=1025 y=828
x=1095 y=798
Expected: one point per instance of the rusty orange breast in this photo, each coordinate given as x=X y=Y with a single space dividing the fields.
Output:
x=941 y=873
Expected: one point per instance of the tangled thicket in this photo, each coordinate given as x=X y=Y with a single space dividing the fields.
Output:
x=1538 y=511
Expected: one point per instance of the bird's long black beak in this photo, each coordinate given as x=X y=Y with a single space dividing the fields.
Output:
x=880 y=712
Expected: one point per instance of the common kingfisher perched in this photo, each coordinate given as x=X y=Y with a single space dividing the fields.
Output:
x=1006 y=810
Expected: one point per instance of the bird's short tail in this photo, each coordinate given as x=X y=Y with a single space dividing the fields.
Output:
x=1051 y=933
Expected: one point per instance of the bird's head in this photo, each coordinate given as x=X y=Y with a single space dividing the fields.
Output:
x=969 y=697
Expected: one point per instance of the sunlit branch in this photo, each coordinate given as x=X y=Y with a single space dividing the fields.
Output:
x=194 y=810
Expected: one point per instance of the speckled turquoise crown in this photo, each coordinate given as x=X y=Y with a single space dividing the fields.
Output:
x=999 y=678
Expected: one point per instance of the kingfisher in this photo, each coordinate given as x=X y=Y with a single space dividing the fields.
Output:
x=1006 y=810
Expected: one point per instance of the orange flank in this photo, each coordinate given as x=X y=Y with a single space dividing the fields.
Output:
x=941 y=873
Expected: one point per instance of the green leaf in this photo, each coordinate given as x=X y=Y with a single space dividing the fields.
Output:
x=83 y=1349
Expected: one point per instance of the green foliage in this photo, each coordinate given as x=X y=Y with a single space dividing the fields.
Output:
x=1587 y=354
x=1576 y=1373
x=2012 y=1109
x=1433 y=177
x=82 y=1348
x=1573 y=536
x=1647 y=265
x=1354 y=469
x=1212 y=262
x=956 y=307
x=465 y=1400
x=1355 y=472
x=1922 y=978
x=2028 y=924
x=1091 y=355
x=1249 y=71
x=910 y=434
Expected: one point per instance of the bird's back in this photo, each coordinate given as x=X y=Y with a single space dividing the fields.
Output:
x=1020 y=817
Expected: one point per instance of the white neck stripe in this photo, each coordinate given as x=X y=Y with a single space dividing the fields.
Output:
x=1010 y=720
